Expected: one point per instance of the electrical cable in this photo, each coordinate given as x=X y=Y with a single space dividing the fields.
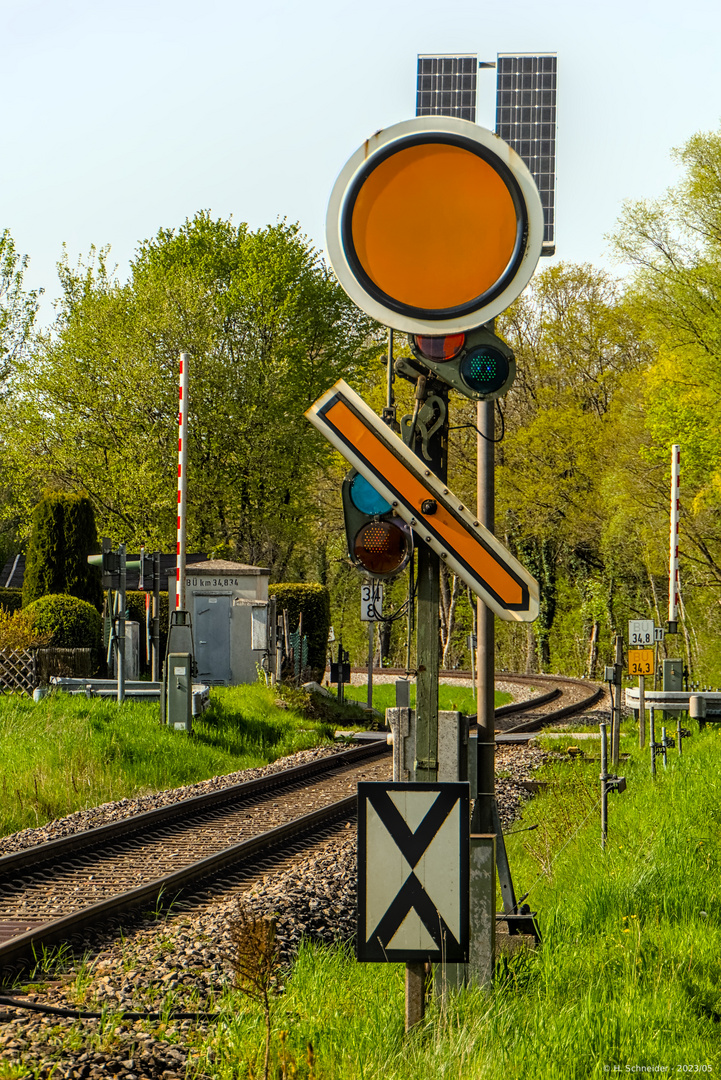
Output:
x=79 y=1014
x=459 y=427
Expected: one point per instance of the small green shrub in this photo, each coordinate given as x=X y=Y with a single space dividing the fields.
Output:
x=314 y=602
x=63 y=535
x=71 y=623
x=17 y=631
x=11 y=599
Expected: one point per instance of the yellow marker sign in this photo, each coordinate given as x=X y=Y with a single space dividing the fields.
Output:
x=640 y=662
x=420 y=499
x=434 y=225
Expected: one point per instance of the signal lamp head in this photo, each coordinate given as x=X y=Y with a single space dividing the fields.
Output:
x=382 y=547
x=366 y=498
x=484 y=370
x=438 y=349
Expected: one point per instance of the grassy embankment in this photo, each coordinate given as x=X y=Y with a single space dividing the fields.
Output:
x=460 y=698
x=629 y=973
x=68 y=753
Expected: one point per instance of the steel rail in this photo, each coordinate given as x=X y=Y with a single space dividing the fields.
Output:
x=557 y=714
x=102 y=835
x=523 y=706
x=26 y=946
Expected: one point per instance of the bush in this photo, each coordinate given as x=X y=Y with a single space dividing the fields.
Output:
x=71 y=623
x=63 y=535
x=11 y=599
x=314 y=602
x=17 y=631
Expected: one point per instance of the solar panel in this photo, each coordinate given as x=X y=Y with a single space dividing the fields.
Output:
x=526 y=119
x=446 y=85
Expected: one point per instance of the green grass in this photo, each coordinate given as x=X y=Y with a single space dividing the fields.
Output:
x=629 y=973
x=458 y=698
x=68 y=753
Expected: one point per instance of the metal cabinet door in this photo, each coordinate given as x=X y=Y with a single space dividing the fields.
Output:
x=211 y=631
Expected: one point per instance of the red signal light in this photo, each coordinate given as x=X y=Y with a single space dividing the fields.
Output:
x=439 y=349
x=381 y=547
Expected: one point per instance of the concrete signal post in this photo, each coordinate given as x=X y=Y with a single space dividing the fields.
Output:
x=434 y=227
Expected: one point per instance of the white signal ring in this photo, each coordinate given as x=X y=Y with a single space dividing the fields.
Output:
x=378 y=145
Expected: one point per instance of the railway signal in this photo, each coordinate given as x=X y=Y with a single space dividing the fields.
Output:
x=478 y=363
x=379 y=541
x=109 y=564
x=434 y=226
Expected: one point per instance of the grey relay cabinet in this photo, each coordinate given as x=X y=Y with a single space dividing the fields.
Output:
x=232 y=633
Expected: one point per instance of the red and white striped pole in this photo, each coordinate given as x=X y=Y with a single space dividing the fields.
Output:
x=673 y=547
x=182 y=482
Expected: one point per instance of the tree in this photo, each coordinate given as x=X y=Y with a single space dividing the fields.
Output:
x=575 y=340
x=63 y=535
x=18 y=311
x=18 y=308
x=674 y=247
x=268 y=330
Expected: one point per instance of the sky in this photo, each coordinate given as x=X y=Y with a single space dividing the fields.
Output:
x=121 y=118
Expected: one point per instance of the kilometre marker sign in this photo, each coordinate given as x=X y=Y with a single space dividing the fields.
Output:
x=437 y=517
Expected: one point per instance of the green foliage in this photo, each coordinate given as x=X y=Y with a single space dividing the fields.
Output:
x=314 y=602
x=268 y=329
x=18 y=311
x=71 y=623
x=18 y=308
x=63 y=535
x=18 y=631
x=69 y=753
x=626 y=979
x=11 y=599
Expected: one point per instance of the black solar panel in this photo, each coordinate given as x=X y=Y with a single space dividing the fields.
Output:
x=526 y=119
x=447 y=86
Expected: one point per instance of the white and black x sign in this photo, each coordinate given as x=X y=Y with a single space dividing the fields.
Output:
x=413 y=865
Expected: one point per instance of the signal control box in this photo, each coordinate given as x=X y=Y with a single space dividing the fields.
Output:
x=179 y=678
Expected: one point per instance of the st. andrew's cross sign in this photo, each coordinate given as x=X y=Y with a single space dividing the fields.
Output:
x=413 y=867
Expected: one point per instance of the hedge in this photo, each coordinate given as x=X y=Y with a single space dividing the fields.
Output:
x=63 y=535
x=314 y=602
x=73 y=623
x=11 y=599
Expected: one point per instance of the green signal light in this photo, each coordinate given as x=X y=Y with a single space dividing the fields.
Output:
x=484 y=370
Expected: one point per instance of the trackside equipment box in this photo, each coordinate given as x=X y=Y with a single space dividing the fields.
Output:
x=228 y=605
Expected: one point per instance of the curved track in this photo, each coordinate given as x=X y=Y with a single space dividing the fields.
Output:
x=54 y=890
x=560 y=697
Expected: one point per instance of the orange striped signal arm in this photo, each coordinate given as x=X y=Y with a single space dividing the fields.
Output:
x=467 y=547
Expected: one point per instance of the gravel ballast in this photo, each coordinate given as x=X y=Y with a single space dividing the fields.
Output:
x=182 y=959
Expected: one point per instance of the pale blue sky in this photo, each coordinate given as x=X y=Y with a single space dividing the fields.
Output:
x=123 y=117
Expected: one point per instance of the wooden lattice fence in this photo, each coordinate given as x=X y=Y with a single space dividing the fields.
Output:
x=21 y=670
x=18 y=671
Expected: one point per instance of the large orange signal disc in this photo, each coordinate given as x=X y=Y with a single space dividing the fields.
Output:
x=433 y=224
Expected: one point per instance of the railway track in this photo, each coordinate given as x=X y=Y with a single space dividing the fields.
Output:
x=561 y=697
x=56 y=890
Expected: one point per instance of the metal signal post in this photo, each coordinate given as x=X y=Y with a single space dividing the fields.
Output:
x=485 y=494
x=428 y=646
